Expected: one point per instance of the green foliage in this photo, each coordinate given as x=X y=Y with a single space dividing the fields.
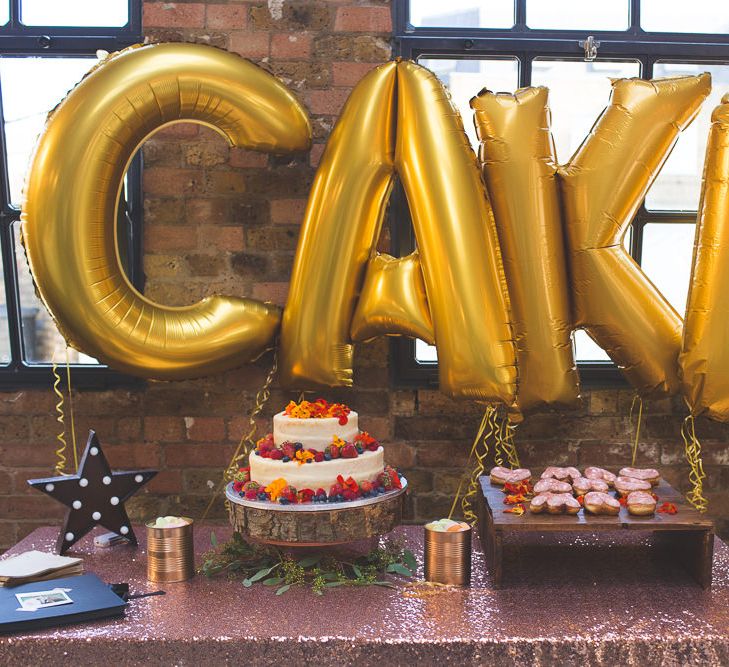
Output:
x=252 y=564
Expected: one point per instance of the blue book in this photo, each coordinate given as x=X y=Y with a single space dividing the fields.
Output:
x=91 y=599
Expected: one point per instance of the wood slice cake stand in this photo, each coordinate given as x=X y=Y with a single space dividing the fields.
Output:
x=314 y=524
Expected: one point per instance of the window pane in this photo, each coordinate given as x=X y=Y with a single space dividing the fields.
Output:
x=667 y=252
x=680 y=16
x=578 y=92
x=462 y=13
x=579 y=14
x=425 y=353
x=465 y=78
x=4 y=334
x=40 y=336
x=678 y=185
x=106 y=13
x=4 y=12
x=26 y=107
x=587 y=349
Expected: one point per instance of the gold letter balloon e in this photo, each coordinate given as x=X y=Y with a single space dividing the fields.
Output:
x=70 y=201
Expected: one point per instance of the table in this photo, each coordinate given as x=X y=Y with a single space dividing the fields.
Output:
x=687 y=535
x=626 y=610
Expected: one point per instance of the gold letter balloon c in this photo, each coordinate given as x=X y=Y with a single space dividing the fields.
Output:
x=73 y=187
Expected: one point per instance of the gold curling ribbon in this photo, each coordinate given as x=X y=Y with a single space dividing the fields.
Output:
x=509 y=445
x=485 y=431
x=246 y=443
x=61 y=436
x=71 y=411
x=693 y=456
x=636 y=399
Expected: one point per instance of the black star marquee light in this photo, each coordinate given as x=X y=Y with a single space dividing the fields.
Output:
x=94 y=496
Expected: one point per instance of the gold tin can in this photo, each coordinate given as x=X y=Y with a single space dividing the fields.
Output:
x=448 y=557
x=170 y=553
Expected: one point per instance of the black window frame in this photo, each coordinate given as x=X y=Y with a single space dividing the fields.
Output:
x=526 y=44
x=17 y=39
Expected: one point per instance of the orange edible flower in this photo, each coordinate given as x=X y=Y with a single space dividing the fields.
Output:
x=517 y=509
x=522 y=487
x=668 y=508
x=514 y=498
x=318 y=409
x=276 y=487
x=302 y=456
x=337 y=441
x=581 y=500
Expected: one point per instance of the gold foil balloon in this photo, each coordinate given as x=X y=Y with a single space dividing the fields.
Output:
x=457 y=239
x=704 y=359
x=519 y=168
x=603 y=186
x=393 y=300
x=71 y=196
x=340 y=228
x=454 y=228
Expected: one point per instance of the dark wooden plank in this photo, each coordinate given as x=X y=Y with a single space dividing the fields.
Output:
x=687 y=518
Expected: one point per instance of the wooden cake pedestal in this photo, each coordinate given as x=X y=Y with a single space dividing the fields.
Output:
x=316 y=525
x=687 y=535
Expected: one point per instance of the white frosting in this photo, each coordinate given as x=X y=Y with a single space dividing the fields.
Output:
x=313 y=433
x=366 y=467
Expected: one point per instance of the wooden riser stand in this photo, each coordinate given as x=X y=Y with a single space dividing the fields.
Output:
x=688 y=535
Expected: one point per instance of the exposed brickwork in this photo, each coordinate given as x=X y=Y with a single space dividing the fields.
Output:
x=225 y=220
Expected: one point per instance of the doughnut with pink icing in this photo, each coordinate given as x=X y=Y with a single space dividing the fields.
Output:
x=597 y=502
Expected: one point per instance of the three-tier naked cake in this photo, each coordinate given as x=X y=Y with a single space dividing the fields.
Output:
x=317 y=454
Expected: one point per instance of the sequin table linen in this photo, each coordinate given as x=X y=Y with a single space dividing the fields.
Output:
x=568 y=601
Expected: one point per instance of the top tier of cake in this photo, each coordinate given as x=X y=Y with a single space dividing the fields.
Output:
x=313 y=433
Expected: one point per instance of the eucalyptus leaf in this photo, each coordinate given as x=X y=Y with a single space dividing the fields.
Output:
x=283 y=589
x=213 y=540
x=399 y=568
x=309 y=561
x=272 y=581
x=332 y=584
x=357 y=571
x=247 y=583
x=410 y=560
x=262 y=573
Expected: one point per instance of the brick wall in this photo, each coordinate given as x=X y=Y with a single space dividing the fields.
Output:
x=225 y=220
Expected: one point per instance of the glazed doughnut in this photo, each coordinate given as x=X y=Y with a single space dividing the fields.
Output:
x=500 y=475
x=600 y=473
x=561 y=474
x=597 y=502
x=646 y=474
x=554 y=503
x=626 y=485
x=641 y=503
x=552 y=486
x=583 y=485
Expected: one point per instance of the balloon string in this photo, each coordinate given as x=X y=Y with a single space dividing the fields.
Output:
x=71 y=411
x=499 y=443
x=693 y=456
x=510 y=446
x=636 y=399
x=467 y=502
x=61 y=436
x=246 y=443
x=476 y=440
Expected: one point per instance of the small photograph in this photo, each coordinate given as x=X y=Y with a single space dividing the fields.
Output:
x=43 y=599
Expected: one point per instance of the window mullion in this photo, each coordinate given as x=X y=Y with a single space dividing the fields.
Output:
x=12 y=300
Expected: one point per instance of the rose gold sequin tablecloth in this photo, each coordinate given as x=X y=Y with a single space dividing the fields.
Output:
x=587 y=601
